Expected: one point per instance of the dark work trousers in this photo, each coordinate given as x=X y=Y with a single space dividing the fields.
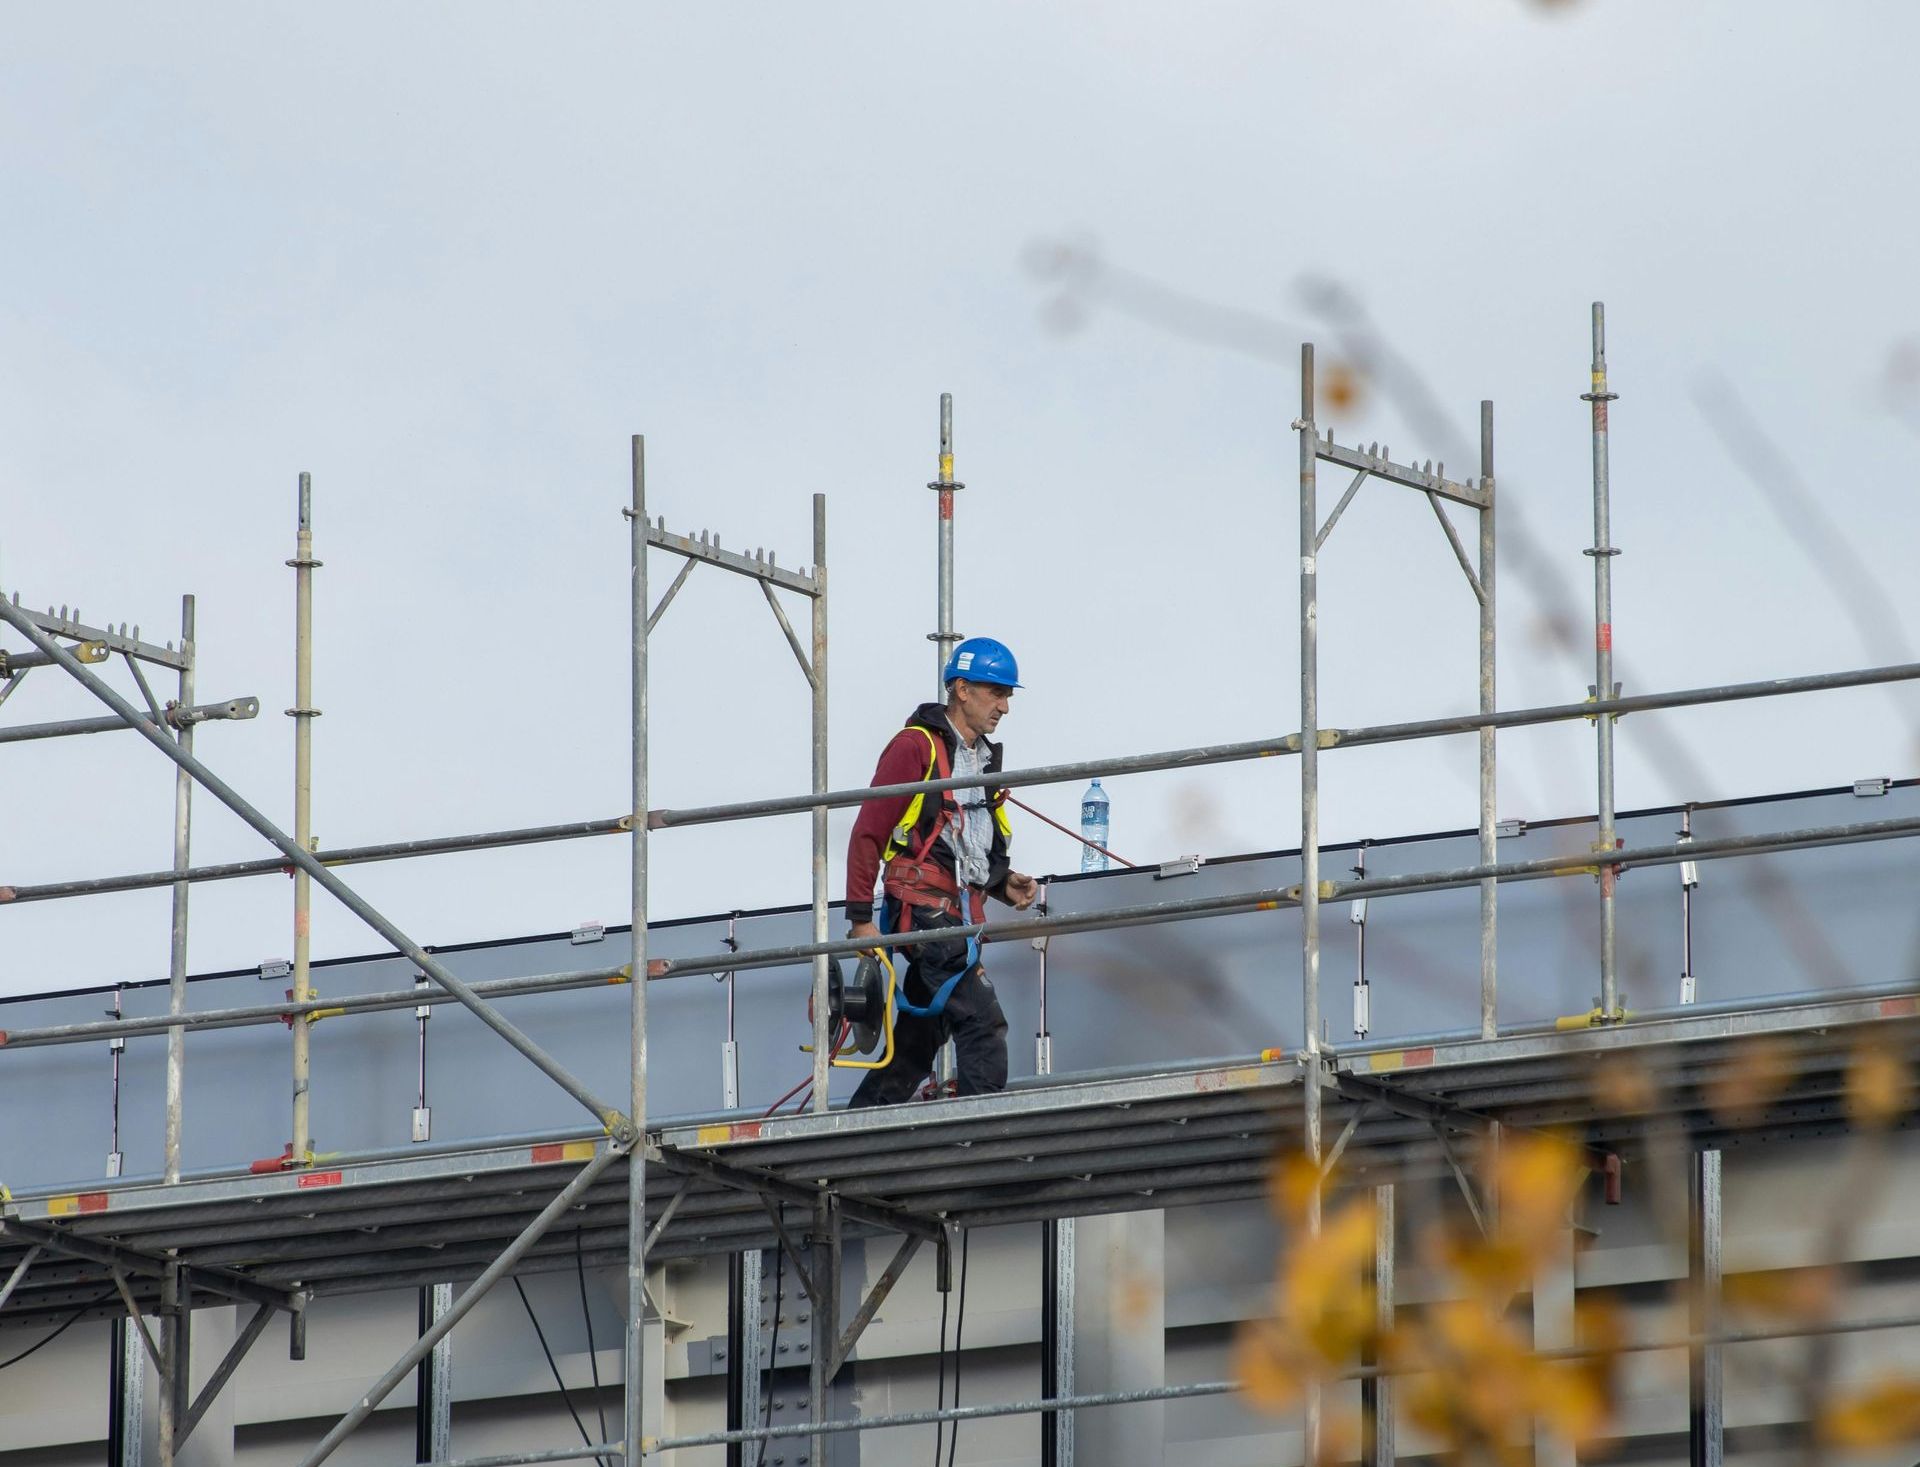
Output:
x=972 y=1019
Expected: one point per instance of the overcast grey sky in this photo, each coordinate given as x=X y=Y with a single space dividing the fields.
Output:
x=448 y=259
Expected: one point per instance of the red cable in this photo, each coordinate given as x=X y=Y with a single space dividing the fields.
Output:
x=807 y=1084
x=1064 y=831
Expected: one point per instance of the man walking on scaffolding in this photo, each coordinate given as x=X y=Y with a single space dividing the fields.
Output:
x=937 y=857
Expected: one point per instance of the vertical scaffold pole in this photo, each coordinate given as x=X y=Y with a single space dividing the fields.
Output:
x=1310 y=817
x=943 y=638
x=633 y=1427
x=1603 y=553
x=177 y=949
x=303 y=713
x=822 y=1035
x=1489 y=768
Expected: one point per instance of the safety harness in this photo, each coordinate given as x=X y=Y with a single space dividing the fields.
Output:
x=912 y=879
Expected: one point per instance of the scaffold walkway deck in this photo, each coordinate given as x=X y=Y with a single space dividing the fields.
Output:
x=1182 y=1136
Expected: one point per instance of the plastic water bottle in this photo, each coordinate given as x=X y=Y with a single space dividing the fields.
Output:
x=1093 y=827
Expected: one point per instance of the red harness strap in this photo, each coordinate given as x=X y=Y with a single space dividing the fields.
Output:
x=912 y=879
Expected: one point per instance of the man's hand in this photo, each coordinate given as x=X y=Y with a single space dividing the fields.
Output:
x=862 y=930
x=1022 y=890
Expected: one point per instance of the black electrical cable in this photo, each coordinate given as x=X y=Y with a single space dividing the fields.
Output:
x=773 y=1349
x=68 y=1323
x=553 y=1365
x=959 y=1330
x=586 y=1313
x=940 y=1400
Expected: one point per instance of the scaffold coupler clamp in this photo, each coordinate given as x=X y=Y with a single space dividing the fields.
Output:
x=286 y=1161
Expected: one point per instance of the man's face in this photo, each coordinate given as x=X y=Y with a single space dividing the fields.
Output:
x=982 y=705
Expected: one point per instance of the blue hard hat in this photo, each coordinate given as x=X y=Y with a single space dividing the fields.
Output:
x=983 y=660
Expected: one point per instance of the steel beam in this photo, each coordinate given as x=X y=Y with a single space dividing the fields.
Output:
x=216 y=1281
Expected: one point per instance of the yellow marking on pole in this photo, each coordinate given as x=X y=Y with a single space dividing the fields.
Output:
x=946 y=466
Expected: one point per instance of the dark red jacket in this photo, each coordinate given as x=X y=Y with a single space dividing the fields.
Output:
x=904 y=761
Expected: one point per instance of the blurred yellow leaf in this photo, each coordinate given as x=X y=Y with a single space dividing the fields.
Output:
x=1341 y=386
x=1339 y=1438
x=1494 y=1269
x=1760 y=1069
x=1879 y=1086
x=1538 y=1176
x=1879 y=1416
x=1623 y=1083
x=1267 y=1366
x=1571 y=1397
x=1789 y=1293
x=1324 y=1293
x=1294 y=1177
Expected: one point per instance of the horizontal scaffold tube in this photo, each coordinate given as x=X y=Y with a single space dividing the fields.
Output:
x=231 y=708
x=1229 y=1387
x=1147 y=914
x=1212 y=753
x=1383 y=733
x=1331 y=738
x=397 y=850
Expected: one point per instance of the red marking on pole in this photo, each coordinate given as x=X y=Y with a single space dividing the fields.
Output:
x=3 y=1036
x=1600 y=414
x=1899 y=1008
x=946 y=504
x=1413 y=1059
x=319 y=1179
x=1607 y=874
x=544 y=1154
x=1603 y=636
x=91 y=1202
x=1614 y=1185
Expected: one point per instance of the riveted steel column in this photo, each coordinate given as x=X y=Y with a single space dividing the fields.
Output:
x=1705 y=1418
x=1489 y=769
x=1603 y=553
x=1310 y=817
x=303 y=713
x=817 y=676
x=177 y=944
x=433 y=1382
x=633 y=1426
x=1376 y=1391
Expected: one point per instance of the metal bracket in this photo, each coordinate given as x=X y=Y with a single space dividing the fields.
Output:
x=760 y=566
x=117 y=1259
x=222 y=1374
x=98 y=642
x=1505 y=829
x=588 y=932
x=795 y=1256
x=765 y=1184
x=1866 y=789
x=876 y=1296
x=1184 y=866
x=272 y=968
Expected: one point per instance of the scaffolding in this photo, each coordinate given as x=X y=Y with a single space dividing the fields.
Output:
x=637 y=1189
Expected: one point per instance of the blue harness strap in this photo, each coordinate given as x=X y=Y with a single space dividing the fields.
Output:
x=890 y=913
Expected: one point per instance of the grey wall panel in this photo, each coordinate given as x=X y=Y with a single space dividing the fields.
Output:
x=1764 y=927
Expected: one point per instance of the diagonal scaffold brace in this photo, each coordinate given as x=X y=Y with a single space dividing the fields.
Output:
x=616 y=1122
